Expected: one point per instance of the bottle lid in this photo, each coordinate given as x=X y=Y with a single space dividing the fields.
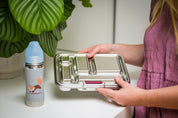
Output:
x=34 y=53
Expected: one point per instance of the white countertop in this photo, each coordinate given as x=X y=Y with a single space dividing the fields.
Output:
x=58 y=104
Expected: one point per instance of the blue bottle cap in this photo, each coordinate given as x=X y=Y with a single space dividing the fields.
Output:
x=34 y=53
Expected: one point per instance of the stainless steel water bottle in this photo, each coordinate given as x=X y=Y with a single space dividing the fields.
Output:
x=34 y=75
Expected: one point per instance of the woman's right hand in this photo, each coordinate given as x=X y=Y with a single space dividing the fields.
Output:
x=100 y=48
x=132 y=54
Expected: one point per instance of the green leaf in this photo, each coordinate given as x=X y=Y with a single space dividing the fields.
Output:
x=48 y=43
x=7 y=49
x=36 y=16
x=4 y=9
x=68 y=9
x=57 y=31
x=86 y=3
x=10 y=30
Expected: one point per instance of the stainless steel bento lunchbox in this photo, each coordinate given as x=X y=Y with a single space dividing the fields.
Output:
x=77 y=71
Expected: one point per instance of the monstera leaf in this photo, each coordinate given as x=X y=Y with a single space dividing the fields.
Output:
x=36 y=16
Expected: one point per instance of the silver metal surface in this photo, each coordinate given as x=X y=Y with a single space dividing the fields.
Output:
x=34 y=66
x=107 y=64
x=76 y=71
x=82 y=64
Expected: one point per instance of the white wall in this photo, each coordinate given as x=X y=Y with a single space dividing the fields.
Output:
x=132 y=18
x=89 y=26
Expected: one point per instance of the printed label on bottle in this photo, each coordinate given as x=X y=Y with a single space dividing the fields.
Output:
x=34 y=85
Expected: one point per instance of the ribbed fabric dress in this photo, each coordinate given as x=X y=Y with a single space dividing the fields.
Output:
x=160 y=68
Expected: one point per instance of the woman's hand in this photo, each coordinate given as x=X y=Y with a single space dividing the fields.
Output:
x=127 y=95
x=130 y=95
x=132 y=54
x=101 y=48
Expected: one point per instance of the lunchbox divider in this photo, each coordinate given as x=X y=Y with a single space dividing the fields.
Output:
x=92 y=66
x=124 y=74
x=74 y=75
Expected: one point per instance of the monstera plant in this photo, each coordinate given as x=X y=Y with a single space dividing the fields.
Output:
x=21 y=20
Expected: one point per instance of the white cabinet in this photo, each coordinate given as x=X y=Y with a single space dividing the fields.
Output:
x=88 y=26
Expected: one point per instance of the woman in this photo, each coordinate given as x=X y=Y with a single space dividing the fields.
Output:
x=157 y=93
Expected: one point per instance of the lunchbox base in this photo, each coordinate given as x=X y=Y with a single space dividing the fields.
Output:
x=84 y=87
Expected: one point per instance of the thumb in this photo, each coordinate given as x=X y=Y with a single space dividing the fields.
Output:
x=121 y=82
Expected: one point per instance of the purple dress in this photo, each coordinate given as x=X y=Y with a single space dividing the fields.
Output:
x=160 y=68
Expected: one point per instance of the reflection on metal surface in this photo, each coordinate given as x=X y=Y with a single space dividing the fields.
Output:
x=76 y=71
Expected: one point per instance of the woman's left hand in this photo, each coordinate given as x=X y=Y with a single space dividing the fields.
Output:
x=126 y=95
